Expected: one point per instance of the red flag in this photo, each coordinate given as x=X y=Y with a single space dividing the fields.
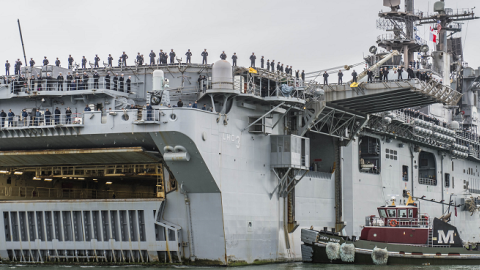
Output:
x=433 y=37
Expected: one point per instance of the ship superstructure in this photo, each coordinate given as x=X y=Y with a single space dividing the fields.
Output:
x=228 y=182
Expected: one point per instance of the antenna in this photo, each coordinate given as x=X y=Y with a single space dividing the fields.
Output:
x=21 y=39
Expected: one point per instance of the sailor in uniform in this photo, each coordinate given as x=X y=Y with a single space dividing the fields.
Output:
x=189 y=57
x=278 y=66
x=340 y=77
x=385 y=74
x=57 y=62
x=129 y=83
x=204 y=56
x=77 y=82
x=84 y=62
x=69 y=81
x=115 y=80
x=124 y=59
x=121 y=80
x=107 y=80
x=370 y=76
x=252 y=60
x=70 y=61
x=223 y=56
x=262 y=62
x=95 y=80
x=7 y=68
x=85 y=80
x=354 y=76
x=32 y=63
x=60 y=82
x=268 y=64
x=110 y=60
x=172 y=56
x=45 y=61
x=139 y=59
x=18 y=64
x=96 y=59
x=152 y=58
x=234 y=59
x=400 y=71
x=325 y=78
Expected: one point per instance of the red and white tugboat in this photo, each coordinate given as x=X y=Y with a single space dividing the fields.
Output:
x=400 y=234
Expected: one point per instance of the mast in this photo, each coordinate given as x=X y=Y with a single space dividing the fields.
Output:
x=23 y=48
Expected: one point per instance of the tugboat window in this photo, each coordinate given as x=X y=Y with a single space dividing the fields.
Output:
x=402 y=213
x=382 y=213
x=410 y=213
x=370 y=155
x=391 y=212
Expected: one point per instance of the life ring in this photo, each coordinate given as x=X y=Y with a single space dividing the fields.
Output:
x=393 y=223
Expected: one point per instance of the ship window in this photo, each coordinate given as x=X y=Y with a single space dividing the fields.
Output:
x=447 y=180
x=453 y=182
x=391 y=212
x=370 y=155
x=410 y=213
x=391 y=151
x=387 y=151
x=402 y=213
x=382 y=213
x=405 y=173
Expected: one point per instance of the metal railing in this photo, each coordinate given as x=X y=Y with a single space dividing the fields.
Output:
x=388 y=37
x=427 y=181
x=54 y=85
x=18 y=121
x=70 y=193
x=373 y=221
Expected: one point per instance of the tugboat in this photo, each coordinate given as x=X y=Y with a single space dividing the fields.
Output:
x=399 y=235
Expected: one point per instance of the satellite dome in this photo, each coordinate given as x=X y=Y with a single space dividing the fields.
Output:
x=222 y=77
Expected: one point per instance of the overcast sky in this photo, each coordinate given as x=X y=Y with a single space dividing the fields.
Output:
x=310 y=35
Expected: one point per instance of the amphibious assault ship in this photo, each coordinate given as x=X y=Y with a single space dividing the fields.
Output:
x=235 y=184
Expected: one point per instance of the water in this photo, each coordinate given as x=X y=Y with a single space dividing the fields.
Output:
x=284 y=266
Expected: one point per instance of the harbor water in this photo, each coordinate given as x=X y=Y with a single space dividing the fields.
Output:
x=285 y=266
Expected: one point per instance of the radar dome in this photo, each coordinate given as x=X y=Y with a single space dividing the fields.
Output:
x=157 y=80
x=222 y=77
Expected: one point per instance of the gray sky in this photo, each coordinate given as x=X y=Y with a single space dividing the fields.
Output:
x=310 y=35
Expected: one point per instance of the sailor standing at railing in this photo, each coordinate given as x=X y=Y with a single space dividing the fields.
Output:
x=68 y=113
x=252 y=60
x=272 y=66
x=38 y=81
x=18 y=64
x=87 y=109
x=189 y=57
x=204 y=55
x=85 y=80
x=57 y=115
x=370 y=76
x=234 y=59
x=172 y=56
x=139 y=59
x=49 y=82
x=70 y=61
x=129 y=81
x=60 y=82
x=385 y=74
x=110 y=60
x=84 y=62
x=2 y=116
x=24 y=117
x=32 y=63
x=115 y=80
x=124 y=58
x=96 y=59
x=152 y=58
x=95 y=80
x=262 y=62
x=400 y=71
x=45 y=61
x=48 y=115
x=107 y=80
x=10 y=118
x=325 y=78
x=121 y=81
x=7 y=68
x=57 y=62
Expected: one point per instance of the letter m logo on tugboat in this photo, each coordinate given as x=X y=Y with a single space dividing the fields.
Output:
x=447 y=239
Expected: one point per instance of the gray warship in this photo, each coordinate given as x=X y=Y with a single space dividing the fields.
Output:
x=127 y=177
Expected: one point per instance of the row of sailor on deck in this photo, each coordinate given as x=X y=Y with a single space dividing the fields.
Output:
x=37 y=118
x=164 y=58
x=71 y=83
